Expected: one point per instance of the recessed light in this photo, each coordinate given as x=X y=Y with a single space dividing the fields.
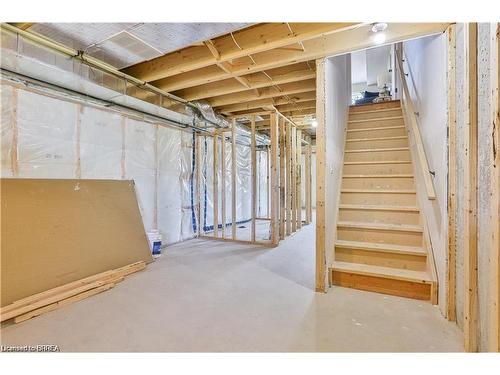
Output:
x=379 y=26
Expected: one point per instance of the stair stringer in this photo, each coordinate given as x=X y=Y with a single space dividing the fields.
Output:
x=421 y=196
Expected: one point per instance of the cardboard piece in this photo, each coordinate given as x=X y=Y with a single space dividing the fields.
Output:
x=58 y=231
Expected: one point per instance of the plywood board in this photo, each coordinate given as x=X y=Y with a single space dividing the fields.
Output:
x=58 y=231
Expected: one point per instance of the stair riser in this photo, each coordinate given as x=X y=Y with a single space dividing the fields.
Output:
x=403 y=155
x=370 y=115
x=372 y=216
x=380 y=143
x=376 y=123
x=382 y=285
x=374 y=106
x=379 y=258
x=389 y=199
x=378 y=169
x=378 y=183
x=380 y=236
x=377 y=133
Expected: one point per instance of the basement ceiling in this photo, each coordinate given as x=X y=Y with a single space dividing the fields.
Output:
x=125 y=44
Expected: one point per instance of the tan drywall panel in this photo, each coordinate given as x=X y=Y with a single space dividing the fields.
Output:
x=58 y=231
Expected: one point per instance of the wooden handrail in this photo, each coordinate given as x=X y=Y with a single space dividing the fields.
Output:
x=424 y=164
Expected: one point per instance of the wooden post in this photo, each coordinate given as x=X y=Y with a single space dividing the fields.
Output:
x=494 y=336
x=215 y=181
x=452 y=177
x=282 y=177
x=254 y=177
x=321 y=259
x=470 y=256
x=307 y=179
x=199 y=171
x=233 y=180
x=274 y=180
x=294 y=178
x=288 y=188
x=223 y=183
x=299 y=179
x=268 y=182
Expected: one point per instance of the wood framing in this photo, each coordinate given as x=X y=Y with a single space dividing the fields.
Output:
x=307 y=179
x=470 y=255
x=233 y=180
x=452 y=177
x=253 y=155
x=321 y=259
x=293 y=170
x=298 y=181
x=223 y=183
x=282 y=177
x=288 y=150
x=215 y=182
x=274 y=181
x=494 y=313
x=199 y=178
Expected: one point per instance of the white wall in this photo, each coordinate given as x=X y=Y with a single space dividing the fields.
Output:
x=338 y=99
x=426 y=63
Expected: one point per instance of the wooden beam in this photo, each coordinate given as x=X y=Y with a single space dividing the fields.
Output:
x=294 y=178
x=282 y=177
x=278 y=76
x=346 y=41
x=470 y=212
x=288 y=179
x=199 y=174
x=494 y=313
x=321 y=258
x=251 y=41
x=274 y=181
x=253 y=155
x=298 y=179
x=307 y=178
x=215 y=184
x=242 y=108
x=452 y=177
x=264 y=93
x=233 y=180
x=310 y=104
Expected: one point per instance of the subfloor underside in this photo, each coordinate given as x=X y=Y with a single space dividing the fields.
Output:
x=206 y=295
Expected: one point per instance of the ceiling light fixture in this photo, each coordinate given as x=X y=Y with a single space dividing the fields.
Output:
x=379 y=38
x=379 y=26
x=314 y=124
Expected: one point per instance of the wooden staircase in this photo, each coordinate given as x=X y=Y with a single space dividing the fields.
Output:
x=380 y=243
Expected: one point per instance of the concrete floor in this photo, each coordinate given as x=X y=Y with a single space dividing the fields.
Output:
x=204 y=295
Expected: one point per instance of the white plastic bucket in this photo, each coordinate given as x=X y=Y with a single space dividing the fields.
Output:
x=154 y=238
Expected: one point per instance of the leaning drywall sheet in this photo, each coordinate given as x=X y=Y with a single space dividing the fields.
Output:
x=59 y=231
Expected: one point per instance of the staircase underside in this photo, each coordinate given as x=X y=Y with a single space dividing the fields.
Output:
x=379 y=245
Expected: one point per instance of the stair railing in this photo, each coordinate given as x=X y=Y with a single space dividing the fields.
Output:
x=413 y=127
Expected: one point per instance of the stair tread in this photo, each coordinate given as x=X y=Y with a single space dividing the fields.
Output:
x=377 y=110
x=379 y=149
x=377 y=138
x=381 y=191
x=376 y=119
x=384 y=272
x=378 y=176
x=390 y=248
x=377 y=128
x=378 y=207
x=378 y=162
x=383 y=226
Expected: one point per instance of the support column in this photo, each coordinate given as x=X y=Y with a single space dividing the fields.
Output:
x=282 y=176
x=223 y=182
x=254 y=177
x=215 y=189
x=233 y=180
x=288 y=188
x=307 y=178
x=294 y=178
x=299 y=179
x=274 y=180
